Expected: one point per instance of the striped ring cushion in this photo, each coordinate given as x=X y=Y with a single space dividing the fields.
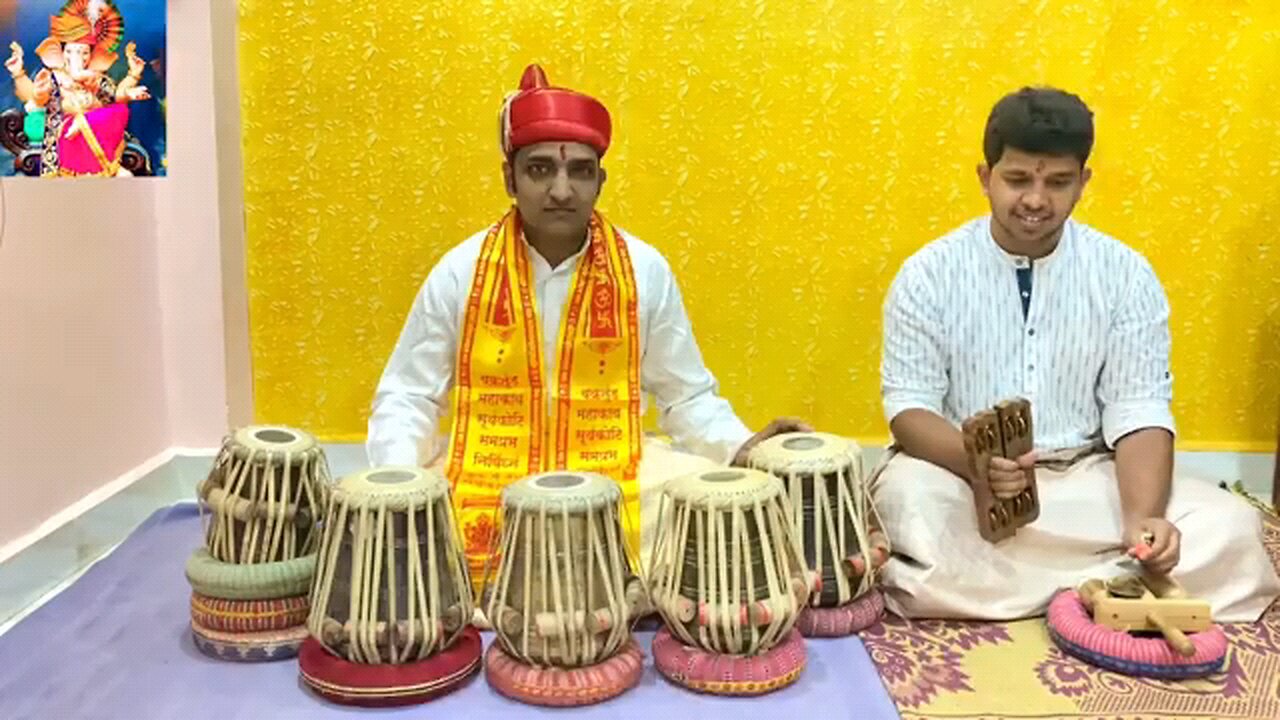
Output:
x=718 y=674
x=852 y=617
x=262 y=646
x=564 y=687
x=1075 y=632
x=249 y=615
x=346 y=683
x=258 y=581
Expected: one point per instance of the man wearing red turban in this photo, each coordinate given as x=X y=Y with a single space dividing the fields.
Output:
x=549 y=327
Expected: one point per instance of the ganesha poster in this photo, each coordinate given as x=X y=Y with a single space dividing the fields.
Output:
x=83 y=93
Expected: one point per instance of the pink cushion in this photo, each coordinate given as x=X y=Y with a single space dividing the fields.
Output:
x=1075 y=632
x=718 y=674
x=564 y=687
x=852 y=617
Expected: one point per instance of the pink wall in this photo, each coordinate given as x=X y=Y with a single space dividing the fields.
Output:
x=82 y=376
x=187 y=222
x=113 y=342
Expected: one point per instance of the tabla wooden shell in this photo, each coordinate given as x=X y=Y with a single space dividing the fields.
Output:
x=831 y=510
x=563 y=591
x=391 y=584
x=266 y=494
x=729 y=574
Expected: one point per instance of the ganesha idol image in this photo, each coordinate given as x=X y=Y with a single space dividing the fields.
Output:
x=75 y=113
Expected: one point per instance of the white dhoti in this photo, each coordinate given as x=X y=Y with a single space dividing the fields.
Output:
x=942 y=568
x=660 y=463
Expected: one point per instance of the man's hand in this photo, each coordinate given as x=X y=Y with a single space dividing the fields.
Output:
x=777 y=427
x=1009 y=477
x=1160 y=555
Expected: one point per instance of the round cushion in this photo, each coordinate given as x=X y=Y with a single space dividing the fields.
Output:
x=387 y=685
x=263 y=646
x=718 y=674
x=564 y=687
x=249 y=615
x=852 y=617
x=258 y=581
x=1075 y=632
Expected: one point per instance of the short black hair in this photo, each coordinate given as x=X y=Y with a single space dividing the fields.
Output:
x=1039 y=120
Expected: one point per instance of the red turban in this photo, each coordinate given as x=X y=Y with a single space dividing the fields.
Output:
x=541 y=113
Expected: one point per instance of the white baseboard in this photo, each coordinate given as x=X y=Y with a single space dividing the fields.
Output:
x=97 y=496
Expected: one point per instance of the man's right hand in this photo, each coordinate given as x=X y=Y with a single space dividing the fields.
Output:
x=1009 y=477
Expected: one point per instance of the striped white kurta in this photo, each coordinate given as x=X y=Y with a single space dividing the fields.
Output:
x=1091 y=352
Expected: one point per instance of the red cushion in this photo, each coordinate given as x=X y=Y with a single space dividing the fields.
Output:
x=847 y=619
x=386 y=685
x=718 y=674
x=563 y=687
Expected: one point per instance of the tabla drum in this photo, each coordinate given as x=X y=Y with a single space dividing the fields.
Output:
x=833 y=514
x=563 y=593
x=264 y=498
x=391 y=602
x=730 y=579
x=265 y=495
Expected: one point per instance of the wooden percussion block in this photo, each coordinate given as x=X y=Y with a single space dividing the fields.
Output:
x=982 y=441
x=1016 y=432
x=1162 y=606
x=1003 y=431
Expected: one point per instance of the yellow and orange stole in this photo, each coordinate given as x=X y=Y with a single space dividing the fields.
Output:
x=505 y=427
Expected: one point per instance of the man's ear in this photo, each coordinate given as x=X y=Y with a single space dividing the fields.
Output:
x=509 y=178
x=984 y=178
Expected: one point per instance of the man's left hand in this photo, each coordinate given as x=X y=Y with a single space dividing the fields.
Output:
x=1163 y=551
x=777 y=427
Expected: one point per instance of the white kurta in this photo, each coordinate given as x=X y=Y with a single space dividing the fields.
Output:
x=413 y=393
x=1092 y=355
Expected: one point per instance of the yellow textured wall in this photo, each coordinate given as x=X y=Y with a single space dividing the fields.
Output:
x=785 y=156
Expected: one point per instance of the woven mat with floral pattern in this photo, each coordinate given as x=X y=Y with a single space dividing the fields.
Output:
x=1004 y=671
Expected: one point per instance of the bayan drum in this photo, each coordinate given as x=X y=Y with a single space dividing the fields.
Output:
x=265 y=494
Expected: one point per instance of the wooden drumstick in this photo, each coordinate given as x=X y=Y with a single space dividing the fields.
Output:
x=1172 y=635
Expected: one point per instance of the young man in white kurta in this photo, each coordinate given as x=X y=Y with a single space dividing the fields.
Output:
x=1082 y=332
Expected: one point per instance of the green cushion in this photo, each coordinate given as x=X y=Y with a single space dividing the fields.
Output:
x=259 y=581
